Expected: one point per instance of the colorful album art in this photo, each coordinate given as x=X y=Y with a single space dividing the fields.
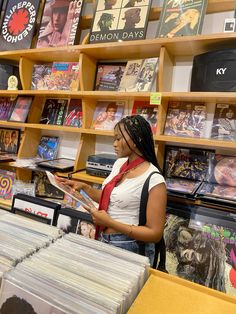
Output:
x=202 y=250
x=18 y=24
x=21 y=109
x=43 y=188
x=59 y=23
x=149 y=112
x=48 y=147
x=108 y=76
x=188 y=163
x=64 y=76
x=54 y=111
x=185 y=119
x=74 y=114
x=222 y=170
x=6 y=106
x=224 y=122
x=119 y=20
x=182 y=186
x=41 y=76
x=9 y=140
x=7 y=179
x=218 y=191
x=107 y=114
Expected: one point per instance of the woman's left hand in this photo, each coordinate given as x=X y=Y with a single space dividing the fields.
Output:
x=101 y=218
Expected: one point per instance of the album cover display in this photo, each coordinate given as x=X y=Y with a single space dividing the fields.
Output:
x=41 y=77
x=130 y=76
x=65 y=76
x=6 y=106
x=6 y=70
x=108 y=76
x=48 y=147
x=74 y=114
x=107 y=114
x=18 y=24
x=43 y=187
x=59 y=164
x=185 y=119
x=21 y=108
x=54 y=111
x=182 y=186
x=186 y=163
x=224 y=122
x=119 y=20
x=59 y=23
x=149 y=112
x=9 y=141
x=181 y=18
x=214 y=190
x=147 y=75
x=7 y=179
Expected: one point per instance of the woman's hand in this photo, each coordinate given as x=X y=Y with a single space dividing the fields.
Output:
x=101 y=218
x=74 y=185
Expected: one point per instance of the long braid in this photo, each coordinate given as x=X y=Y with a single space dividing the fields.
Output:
x=140 y=132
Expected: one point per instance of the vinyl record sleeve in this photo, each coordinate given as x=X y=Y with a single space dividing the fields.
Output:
x=182 y=186
x=21 y=109
x=43 y=187
x=149 y=112
x=41 y=76
x=54 y=111
x=9 y=141
x=74 y=114
x=6 y=106
x=48 y=147
x=108 y=76
x=59 y=164
x=65 y=76
x=130 y=76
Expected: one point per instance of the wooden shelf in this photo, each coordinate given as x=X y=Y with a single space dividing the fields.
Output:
x=82 y=175
x=5 y=204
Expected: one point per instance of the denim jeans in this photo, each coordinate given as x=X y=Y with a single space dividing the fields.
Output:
x=124 y=242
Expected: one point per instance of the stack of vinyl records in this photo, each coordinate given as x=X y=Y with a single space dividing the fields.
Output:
x=76 y=275
x=21 y=237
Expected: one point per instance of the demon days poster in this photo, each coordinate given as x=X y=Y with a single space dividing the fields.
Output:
x=18 y=24
x=119 y=20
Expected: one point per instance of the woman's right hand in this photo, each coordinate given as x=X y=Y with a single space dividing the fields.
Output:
x=74 y=185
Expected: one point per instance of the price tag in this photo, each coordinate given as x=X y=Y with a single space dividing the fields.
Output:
x=155 y=98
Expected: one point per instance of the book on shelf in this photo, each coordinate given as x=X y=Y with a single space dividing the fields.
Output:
x=107 y=114
x=18 y=24
x=147 y=74
x=74 y=114
x=6 y=184
x=224 y=122
x=9 y=141
x=149 y=112
x=186 y=119
x=41 y=76
x=108 y=76
x=6 y=106
x=59 y=24
x=119 y=21
x=181 y=18
x=21 y=108
x=65 y=76
x=48 y=147
x=130 y=76
x=54 y=111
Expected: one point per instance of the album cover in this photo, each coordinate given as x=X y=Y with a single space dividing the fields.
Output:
x=181 y=18
x=214 y=190
x=6 y=106
x=59 y=23
x=9 y=141
x=41 y=77
x=58 y=164
x=149 y=112
x=18 y=24
x=65 y=76
x=107 y=114
x=21 y=108
x=108 y=76
x=186 y=163
x=74 y=114
x=224 y=122
x=48 y=147
x=185 y=119
x=182 y=186
x=130 y=76
x=54 y=111
x=147 y=75
x=43 y=187
x=222 y=169
x=7 y=179
x=119 y=21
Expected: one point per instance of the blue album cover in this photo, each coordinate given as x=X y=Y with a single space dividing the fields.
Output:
x=48 y=147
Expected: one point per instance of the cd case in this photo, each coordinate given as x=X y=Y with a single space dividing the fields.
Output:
x=60 y=164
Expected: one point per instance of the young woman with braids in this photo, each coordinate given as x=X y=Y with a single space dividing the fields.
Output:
x=117 y=217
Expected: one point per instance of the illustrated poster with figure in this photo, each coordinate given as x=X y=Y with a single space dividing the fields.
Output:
x=119 y=20
x=149 y=112
x=18 y=24
x=181 y=18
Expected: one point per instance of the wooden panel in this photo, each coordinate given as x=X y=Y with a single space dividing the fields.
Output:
x=88 y=67
x=82 y=175
x=29 y=143
x=36 y=110
x=26 y=68
x=166 y=65
x=86 y=148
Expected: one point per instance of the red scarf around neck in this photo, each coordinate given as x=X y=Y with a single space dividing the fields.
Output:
x=107 y=190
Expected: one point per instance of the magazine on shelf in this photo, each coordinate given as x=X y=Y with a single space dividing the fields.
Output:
x=185 y=119
x=108 y=76
x=6 y=106
x=78 y=196
x=74 y=114
x=48 y=147
x=65 y=30
x=224 y=122
x=119 y=21
x=7 y=179
x=41 y=75
x=65 y=76
x=181 y=18
x=149 y=112
x=130 y=76
x=147 y=75
x=54 y=111
x=21 y=108
x=107 y=114
x=18 y=24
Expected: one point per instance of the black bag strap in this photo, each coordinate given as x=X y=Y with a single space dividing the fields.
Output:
x=160 y=248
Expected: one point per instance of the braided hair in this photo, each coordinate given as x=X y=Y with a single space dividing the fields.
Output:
x=140 y=132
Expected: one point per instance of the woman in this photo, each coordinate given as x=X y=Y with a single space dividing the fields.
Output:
x=119 y=201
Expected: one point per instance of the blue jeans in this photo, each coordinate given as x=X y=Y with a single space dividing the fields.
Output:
x=124 y=242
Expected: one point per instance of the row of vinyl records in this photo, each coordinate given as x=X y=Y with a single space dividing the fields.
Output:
x=113 y=21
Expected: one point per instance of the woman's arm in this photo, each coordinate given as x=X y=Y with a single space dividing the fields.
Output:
x=156 y=214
